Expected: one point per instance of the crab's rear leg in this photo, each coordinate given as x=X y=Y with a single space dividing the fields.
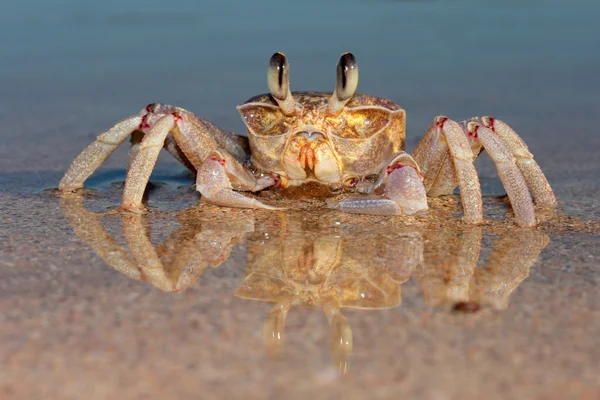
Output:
x=445 y=155
x=96 y=153
x=401 y=187
x=446 y=136
x=514 y=183
x=170 y=146
x=535 y=178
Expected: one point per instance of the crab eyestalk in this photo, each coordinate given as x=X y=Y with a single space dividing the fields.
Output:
x=347 y=81
x=278 y=80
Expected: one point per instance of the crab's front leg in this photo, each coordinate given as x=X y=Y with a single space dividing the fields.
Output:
x=399 y=191
x=210 y=151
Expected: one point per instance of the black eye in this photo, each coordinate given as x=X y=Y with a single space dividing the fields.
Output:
x=277 y=76
x=347 y=68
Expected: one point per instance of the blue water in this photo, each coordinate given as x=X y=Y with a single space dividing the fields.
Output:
x=454 y=57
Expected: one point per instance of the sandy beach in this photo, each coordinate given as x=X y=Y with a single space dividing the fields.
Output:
x=189 y=301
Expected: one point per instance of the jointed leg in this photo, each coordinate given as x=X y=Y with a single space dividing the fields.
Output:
x=444 y=146
x=535 y=178
x=190 y=139
x=134 y=146
x=218 y=171
x=143 y=163
x=509 y=173
x=96 y=153
x=178 y=154
x=448 y=149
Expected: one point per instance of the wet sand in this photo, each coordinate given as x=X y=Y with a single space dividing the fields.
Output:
x=187 y=302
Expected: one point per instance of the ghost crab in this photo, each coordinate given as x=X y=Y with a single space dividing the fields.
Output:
x=351 y=142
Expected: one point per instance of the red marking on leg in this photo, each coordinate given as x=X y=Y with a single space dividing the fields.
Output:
x=391 y=169
x=279 y=182
x=219 y=160
x=352 y=182
x=177 y=117
x=440 y=123
x=473 y=132
x=144 y=124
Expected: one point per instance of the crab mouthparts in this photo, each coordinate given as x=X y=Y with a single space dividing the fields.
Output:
x=311 y=136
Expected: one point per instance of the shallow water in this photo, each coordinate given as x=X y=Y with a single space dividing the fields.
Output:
x=190 y=300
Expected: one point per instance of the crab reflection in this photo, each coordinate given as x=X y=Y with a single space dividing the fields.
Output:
x=298 y=259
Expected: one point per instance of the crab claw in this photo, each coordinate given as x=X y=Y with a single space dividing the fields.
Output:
x=403 y=191
x=278 y=80
x=347 y=82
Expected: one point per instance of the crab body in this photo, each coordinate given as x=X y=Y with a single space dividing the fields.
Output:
x=313 y=145
x=353 y=143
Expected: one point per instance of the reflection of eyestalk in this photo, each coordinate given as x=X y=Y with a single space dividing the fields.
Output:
x=347 y=82
x=278 y=80
x=339 y=328
x=273 y=329
x=341 y=337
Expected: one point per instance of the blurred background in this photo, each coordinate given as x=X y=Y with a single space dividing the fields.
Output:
x=71 y=69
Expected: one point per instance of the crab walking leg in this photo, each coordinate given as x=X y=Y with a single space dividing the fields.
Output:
x=170 y=146
x=509 y=173
x=173 y=149
x=215 y=178
x=141 y=167
x=134 y=146
x=403 y=191
x=96 y=153
x=535 y=178
x=446 y=135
